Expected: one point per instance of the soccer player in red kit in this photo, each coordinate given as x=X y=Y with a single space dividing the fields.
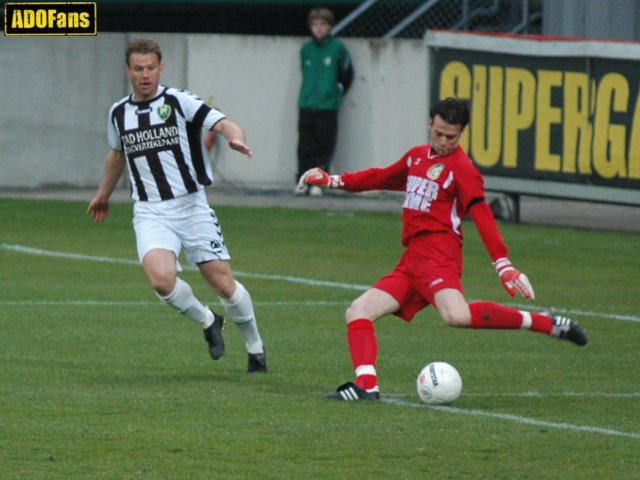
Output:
x=441 y=186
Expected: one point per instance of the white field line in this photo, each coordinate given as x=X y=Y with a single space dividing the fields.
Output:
x=305 y=281
x=261 y=276
x=517 y=419
x=291 y=279
x=533 y=394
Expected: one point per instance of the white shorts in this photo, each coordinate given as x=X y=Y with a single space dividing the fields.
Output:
x=184 y=222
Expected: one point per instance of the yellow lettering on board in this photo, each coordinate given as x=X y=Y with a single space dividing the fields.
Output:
x=577 y=131
x=84 y=20
x=28 y=19
x=486 y=115
x=609 y=139
x=455 y=81
x=519 y=111
x=51 y=18
x=41 y=18
x=547 y=115
x=634 y=144
x=16 y=19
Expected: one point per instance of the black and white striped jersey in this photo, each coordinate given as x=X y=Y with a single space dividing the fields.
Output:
x=162 y=142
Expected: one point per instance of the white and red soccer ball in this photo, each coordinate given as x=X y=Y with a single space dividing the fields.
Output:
x=439 y=383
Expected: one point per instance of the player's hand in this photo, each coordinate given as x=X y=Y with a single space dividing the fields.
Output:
x=240 y=146
x=98 y=209
x=319 y=178
x=512 y=280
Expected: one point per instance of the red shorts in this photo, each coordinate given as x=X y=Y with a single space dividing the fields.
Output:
x=430 y=263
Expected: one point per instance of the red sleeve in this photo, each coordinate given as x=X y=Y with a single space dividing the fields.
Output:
x=469 y=179
x=393 y=177
x=488 y=230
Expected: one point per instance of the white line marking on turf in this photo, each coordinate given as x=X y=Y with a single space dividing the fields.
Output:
x=71 y=303
x=74 y=256
x=583 y=313
x=559 y=394
x=285 y=278
x=517 y=418
x=262 y=276
x=306 y=281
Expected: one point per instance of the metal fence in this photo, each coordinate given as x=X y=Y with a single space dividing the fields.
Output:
x=412 y=18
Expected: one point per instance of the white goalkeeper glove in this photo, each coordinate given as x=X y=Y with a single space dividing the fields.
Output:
x=320 y=178
x=512 y=280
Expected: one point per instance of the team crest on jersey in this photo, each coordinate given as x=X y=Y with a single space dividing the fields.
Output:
x=434 y=172
x=164 y=111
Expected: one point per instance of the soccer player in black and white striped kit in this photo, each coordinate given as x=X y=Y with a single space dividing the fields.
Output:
x=156 y=133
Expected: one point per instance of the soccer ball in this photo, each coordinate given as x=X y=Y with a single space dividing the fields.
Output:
x=439 y=383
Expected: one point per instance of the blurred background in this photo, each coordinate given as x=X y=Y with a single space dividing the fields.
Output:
x=242 y=56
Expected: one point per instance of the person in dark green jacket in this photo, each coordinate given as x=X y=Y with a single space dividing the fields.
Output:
x=327 y=74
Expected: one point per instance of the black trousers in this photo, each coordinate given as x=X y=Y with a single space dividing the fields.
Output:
x=317 y=135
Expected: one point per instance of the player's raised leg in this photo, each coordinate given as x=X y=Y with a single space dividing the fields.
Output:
x=455 y=311
x=493 y=315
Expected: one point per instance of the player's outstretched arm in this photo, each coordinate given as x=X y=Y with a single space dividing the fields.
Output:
x=319 y=178
x=234 y=135
x=113 y=168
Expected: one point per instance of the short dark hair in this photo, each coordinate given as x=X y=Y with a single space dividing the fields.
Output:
x=452 y=110
x=321 y=13
x=142 y=45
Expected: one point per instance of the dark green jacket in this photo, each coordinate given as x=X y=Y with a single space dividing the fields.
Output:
x=327 y=74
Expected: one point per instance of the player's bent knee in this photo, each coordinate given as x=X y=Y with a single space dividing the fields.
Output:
x=354 y=312
x=225 y=288
x=456 y=320
x=162 y=285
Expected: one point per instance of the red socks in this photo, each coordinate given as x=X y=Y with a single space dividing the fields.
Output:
x=363 y=347
x=492 y=315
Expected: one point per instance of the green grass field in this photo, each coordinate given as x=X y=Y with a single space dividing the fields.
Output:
x=100 y=380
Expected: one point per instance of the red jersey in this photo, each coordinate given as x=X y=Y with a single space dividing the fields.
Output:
x=439 y=192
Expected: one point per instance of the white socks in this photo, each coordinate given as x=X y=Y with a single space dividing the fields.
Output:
x=182 y=299
x=240 y=308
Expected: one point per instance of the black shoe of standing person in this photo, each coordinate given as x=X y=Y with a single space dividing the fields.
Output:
x=213 y=336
